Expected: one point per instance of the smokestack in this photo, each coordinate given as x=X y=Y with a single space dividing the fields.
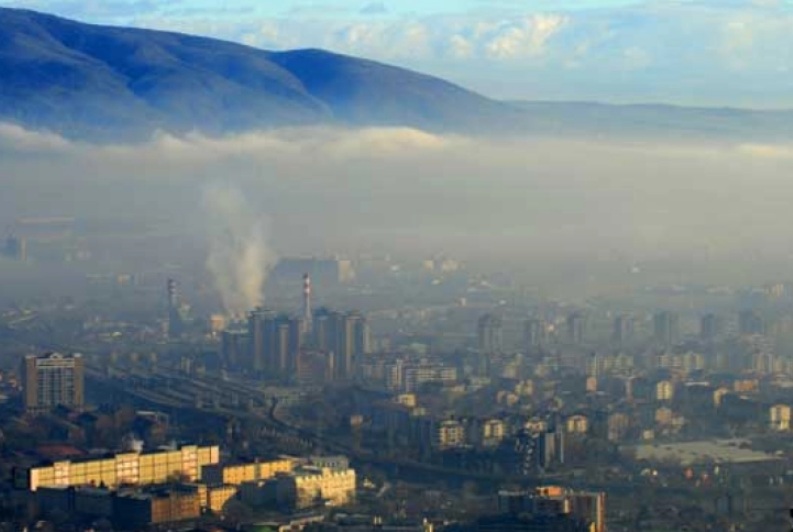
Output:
x=307 y=302
x=175 y=325
x=172 y=294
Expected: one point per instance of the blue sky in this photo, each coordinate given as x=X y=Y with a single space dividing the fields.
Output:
x=701 y=52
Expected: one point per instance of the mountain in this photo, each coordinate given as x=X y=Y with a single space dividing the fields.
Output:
x=102 y=82
x=587 y=119
x=86 y=80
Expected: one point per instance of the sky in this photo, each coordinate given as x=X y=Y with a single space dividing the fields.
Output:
x=692 y=52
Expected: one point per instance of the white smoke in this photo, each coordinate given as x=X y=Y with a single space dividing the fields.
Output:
x=239 y=257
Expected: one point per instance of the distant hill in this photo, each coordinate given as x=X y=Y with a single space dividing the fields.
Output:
x=655 y=120
x=101 y=82
x=88 y=80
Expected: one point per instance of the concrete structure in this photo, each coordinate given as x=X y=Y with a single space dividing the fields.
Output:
x=132 y=468
x=550 y=501
x=128 y=509
x=137 y=510
x=449 y=433
x=274 y=342
x=534 y=336
x=344 y=335
x=493 y=432
x=53 y=380
x=702 y=452
x=337 y=462
x=577 y=424
x=664 y=391
x=237 y=474
x=412 y=377
x=711 y=327
x=490 y=334
x=779 y=417
x=258 y=339
x=234 y=349
x=313 y=486
x=624 y=330
x=16 y=248
x=314 y=367
x=218 y=496
x=576 y=327
x=617 y=426
x=750 y=322
x=666 y=328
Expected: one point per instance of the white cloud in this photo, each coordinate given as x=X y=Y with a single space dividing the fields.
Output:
x=522 y=38
x=18 y=139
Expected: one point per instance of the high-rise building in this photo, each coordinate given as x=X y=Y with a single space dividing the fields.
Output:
x=576 y=327
x=750 y=322
x=710 y=327
x=666 y=327
x=233 y=347
x=260 y=338
x=274 y=342
x=286 y=346
x=352 y=340
x=16 y=248
x=345 y=335
x=490 y=334
x=321 y=330
x=53 y=380
x=624 y=330
x=534 y=334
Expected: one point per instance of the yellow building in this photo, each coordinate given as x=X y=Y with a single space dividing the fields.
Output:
x=236 y=474
x=450 y=433
x=218 y=496
x=577 y=424
x=779 y=417
x=718 y=395
x=184 y=463
x=663 y=416
x=664 y=391
x=139 y=510
x=493 y=432
x=746 y=386
x=310 y=486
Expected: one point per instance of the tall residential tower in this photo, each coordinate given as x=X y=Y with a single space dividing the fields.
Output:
x=53 y=380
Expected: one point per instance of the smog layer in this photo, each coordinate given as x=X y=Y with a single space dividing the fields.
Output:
x=533 y=202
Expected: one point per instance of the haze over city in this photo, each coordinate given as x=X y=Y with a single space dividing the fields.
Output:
x=396 y=265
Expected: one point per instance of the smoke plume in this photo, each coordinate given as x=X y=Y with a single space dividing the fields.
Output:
x=238 y=258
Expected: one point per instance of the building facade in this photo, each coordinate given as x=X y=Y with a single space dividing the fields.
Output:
x=131 y=468
x=53 y=380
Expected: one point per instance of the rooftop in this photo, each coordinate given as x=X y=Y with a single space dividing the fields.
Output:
x=699 y=452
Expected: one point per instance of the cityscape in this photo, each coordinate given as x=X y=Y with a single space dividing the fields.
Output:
x=261 y=269
x=472 y=408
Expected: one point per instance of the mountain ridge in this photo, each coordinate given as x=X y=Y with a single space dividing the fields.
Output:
x=99 y=82
x=83 y=79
